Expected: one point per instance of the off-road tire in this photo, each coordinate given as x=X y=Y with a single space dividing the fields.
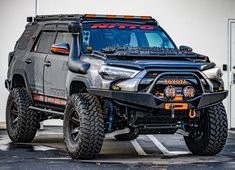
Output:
x=22 y=123
x=83 y=111
x=133 y=134
x=214 y=132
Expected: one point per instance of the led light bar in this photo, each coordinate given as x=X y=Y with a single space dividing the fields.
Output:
x=118 y=16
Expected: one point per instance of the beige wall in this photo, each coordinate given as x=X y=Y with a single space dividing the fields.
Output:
x=201 y=24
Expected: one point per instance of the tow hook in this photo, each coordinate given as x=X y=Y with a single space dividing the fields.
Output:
x=172 y=107
x=192 y=113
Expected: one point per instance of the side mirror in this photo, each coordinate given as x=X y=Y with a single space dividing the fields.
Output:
x=60 y=48
x=185 y=48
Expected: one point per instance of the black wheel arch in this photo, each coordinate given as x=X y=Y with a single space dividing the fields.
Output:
x=77 y=85
x=19 y=79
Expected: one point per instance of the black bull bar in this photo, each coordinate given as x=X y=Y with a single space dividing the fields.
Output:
x=148 y=100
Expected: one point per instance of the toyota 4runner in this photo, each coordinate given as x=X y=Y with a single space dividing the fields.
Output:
x=111 y=74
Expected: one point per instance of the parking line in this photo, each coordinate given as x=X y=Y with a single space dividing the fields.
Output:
x=164 y=150
x=138 y=148
x=159 y=145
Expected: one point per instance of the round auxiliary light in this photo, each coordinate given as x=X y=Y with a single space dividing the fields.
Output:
x=189 y=92
x=170 y=91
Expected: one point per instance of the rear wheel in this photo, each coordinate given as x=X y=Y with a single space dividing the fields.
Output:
x=83 y=126
x=210 y=137
x=22 y=123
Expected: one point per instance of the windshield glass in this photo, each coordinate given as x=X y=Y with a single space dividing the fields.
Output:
x=97 y=36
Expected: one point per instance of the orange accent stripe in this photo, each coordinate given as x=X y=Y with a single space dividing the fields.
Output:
x=177 y=106
x=111 y=16
x=129 y=17
x=53 y=100
x=146 y=17
x=53 y=49
x=90 y=15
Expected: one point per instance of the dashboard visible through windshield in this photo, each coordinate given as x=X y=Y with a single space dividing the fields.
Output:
x=97 y=36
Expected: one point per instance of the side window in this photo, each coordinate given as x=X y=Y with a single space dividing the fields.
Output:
x=45 y=41
x=64 y=37
x=25 y=38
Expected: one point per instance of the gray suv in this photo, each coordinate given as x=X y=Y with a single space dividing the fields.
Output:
x=116 y=75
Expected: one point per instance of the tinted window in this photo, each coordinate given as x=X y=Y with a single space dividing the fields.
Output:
x=45 y=42
x=25 y=38
x=64 y=37
x=101 y=35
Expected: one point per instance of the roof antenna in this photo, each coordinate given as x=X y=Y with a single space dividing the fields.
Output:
x=36 y=7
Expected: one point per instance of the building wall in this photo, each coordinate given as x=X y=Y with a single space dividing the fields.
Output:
x=201 y=24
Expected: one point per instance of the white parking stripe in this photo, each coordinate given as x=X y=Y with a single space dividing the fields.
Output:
x=164 y=150
x=159 y=144
x=138 y=148
x=42 y=148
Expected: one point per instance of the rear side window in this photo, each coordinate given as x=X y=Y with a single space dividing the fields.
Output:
x=25 y=38
x=45 y=42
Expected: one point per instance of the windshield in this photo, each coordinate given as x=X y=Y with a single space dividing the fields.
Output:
x=97 y=36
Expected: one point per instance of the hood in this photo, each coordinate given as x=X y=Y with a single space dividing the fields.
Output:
x=144 y=64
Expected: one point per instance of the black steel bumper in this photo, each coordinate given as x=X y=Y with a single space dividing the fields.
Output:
x=147 y=100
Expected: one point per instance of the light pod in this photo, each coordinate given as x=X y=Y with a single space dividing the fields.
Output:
x=189 y=92
x=170 y=91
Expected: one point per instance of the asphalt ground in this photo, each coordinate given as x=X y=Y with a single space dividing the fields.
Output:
x=146 y=152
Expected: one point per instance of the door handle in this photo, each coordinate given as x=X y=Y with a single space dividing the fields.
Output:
x=47 y=63
x=28 y=61
x=233 y=80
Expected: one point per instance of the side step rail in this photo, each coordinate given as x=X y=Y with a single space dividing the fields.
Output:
x=53 y=112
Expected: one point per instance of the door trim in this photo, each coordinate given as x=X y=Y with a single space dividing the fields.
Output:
x=230 y=21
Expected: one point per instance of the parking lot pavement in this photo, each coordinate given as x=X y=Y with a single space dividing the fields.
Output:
x=147 y=152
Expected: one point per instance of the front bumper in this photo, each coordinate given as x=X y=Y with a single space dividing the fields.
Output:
x=148 y=100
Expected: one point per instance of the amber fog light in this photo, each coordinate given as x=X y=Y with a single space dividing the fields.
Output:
x=189 y=92
x=170 y=91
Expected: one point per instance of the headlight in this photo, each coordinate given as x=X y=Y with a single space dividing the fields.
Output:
x=112 y=73
x=213 y=73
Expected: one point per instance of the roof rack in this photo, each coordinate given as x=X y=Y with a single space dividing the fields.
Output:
x=74 y=17
x=71 y=17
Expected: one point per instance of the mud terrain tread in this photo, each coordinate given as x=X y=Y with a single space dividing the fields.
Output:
x=91 y=126
x=216 y=135
x=28 y=119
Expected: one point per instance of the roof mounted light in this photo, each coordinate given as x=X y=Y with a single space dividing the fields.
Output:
x=131 y=17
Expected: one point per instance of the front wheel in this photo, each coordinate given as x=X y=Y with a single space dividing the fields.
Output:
x=83 y=126
x=210 y=136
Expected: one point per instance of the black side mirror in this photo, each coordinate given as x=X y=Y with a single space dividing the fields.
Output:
x=60 y=48
x=74 y=63
x=185 y=48
x=234 y=67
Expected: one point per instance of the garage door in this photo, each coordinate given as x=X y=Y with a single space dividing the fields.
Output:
x=232 y=70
